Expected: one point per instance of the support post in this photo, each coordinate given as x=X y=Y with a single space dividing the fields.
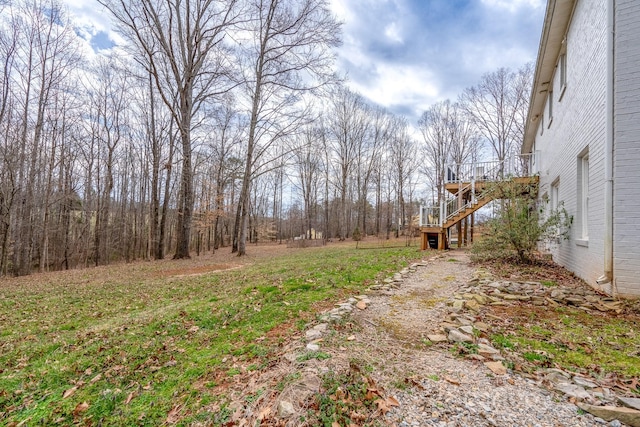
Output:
x=473 y=220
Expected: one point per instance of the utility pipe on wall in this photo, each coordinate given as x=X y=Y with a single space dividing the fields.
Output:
x=607 y=277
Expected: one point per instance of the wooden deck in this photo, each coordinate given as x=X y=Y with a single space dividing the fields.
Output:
x=460 y=209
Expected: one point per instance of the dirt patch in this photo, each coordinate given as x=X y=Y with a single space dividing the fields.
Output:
x=197 y=271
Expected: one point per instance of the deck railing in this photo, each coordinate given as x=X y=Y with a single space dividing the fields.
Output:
x=467 y=174
x=515 y=166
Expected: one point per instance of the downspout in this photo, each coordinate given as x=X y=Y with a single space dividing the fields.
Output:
x=607 y=277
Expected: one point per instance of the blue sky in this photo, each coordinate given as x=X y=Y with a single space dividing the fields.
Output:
x=408 y=54
x=403 y=54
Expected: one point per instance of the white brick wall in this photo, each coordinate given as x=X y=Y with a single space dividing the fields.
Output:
x=627 y=148
x=579 y=122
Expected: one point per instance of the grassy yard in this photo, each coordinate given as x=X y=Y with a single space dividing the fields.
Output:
x=154 y=342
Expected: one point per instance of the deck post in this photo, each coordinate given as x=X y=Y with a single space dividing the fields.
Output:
x=473 y=219
x=466 y=231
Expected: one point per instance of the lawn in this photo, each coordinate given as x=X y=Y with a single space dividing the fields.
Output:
x=155 y=342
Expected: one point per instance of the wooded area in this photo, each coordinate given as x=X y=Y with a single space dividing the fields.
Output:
x=216 y=124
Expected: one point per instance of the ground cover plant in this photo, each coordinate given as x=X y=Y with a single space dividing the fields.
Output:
x=604 y=345
x=153 y=343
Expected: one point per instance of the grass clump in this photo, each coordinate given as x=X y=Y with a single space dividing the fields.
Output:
x=572 y=339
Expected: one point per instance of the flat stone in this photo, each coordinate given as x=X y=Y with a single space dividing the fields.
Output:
x=496 y=367
x=464 y=321
x=631 y=402
x=313 y=334
x=448 y=326
x=510 y=297
x=458 y=336
x=437 y=338
x=584 y=382
x=313 y=347
x=575 y=300
x=573 y=390
x=557 y=377
x=472 y=305
x=458 y=304
x=628 y=416
x=285 y=409
x=481 y=326
x=480 y=299
x=467 y=329
x=477 y=357
x=361 y=305
x=486 y=350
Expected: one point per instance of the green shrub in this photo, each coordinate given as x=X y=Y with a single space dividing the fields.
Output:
x=520 y=223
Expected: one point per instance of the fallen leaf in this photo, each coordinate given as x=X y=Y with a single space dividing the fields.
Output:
x=95 y=379
x=372 y=393
x=451 y=380
x=69 y=392
x=80 y=408
x=264 y=413
x=496 y=367
x=129 y=397
x=335 y=424
x=382 y=406
x=392 y=401
x=361 y=305
x=174 y=415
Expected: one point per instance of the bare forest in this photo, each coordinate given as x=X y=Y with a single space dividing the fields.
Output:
x=213 y=125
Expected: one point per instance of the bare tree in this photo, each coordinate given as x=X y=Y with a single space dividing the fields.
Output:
x=289 y=54
x=108 y=94
x=181 y=41
x=498 y=106
x=403 y=162
x=47 y=56
x=308 y=165
x=369 y=157
x=348 y=126
x=435 y=127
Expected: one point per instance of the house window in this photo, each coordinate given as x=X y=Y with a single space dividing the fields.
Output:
x=550 y=107
x=563 y=74
x=583 y=194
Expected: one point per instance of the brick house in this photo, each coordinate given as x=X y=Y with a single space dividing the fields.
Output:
x=584 y=126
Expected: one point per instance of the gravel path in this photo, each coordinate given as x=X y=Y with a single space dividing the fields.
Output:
x=442 y=389
x=388 y=336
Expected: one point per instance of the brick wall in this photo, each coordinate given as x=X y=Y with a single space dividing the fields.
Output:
x=627 y=148
x=579 y=122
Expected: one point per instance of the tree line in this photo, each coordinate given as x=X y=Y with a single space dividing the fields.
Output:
x=215 y=124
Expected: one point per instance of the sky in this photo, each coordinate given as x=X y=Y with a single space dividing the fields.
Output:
x=404 y=55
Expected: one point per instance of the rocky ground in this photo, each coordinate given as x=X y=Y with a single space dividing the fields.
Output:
x=406 y=340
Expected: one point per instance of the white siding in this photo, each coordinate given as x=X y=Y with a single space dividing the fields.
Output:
x=627 y=149
x=578 y=123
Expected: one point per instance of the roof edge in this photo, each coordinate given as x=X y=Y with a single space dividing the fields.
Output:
x=556 y=23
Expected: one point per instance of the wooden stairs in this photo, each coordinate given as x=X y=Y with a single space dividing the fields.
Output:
x=467 y=197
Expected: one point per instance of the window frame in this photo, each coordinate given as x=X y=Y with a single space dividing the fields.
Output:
x=550 y=107
x=562 y=64
x=583 y=197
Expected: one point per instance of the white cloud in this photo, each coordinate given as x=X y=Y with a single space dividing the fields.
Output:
x=393 y=33
x=513 y=5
